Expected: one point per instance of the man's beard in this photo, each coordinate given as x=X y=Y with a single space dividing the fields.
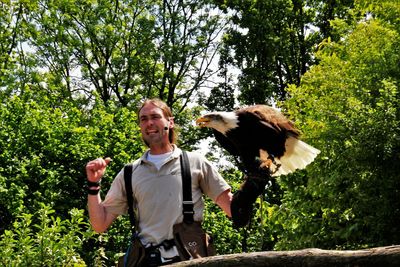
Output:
x=152 y=139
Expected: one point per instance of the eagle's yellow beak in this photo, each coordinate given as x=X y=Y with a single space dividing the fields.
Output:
x=202 y=122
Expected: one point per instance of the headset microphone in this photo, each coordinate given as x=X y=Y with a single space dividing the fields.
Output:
x=166 y=127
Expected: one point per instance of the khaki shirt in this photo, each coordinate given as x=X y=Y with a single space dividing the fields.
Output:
x=157 y=194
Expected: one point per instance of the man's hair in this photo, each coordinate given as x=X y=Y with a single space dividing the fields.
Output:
x=166 y=110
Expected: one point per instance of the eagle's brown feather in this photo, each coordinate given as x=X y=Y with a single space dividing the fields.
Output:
x=272 y=117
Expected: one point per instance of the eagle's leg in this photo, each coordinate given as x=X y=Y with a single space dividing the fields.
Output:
x=244 y=198
x=255 y=180
x=268 y=162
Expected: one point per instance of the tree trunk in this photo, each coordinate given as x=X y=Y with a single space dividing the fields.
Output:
x=373 y=257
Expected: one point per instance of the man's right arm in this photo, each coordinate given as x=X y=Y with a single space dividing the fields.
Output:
x=100 y=219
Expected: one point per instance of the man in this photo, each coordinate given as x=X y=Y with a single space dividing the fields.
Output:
x=155 y=179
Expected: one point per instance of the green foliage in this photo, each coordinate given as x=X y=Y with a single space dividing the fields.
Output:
x=123 y=51
x=272 y=42
x=348 y=106
x=44 y=239
x=385 y=10
x=43 y=151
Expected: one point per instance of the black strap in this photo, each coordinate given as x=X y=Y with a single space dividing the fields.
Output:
x=186 y=189
x=90 y=183
x=129 y=194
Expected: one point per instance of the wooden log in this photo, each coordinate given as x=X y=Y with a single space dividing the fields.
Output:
x=372 y=257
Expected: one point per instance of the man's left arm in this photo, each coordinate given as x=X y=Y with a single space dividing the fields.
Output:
x=224 y=201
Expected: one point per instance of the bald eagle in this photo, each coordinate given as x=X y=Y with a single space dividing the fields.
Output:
x=260 y=135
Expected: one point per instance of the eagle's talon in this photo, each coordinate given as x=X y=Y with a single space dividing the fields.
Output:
x=266 y=164
x=270 y=165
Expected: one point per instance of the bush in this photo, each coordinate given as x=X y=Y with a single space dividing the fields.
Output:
x=43 y=239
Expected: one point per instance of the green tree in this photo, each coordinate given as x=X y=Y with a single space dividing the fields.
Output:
x=326 y=11
x=9 y=33
x=127 y=50
x=271 y=43
x=13 y=35
x=348 y=106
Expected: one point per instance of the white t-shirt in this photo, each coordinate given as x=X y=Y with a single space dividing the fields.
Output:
x=159 y=160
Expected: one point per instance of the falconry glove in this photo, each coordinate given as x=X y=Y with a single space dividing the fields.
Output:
x=244 y=198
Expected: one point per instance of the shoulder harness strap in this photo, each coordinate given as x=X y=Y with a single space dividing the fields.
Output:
x=128 y=188
x=188 y=211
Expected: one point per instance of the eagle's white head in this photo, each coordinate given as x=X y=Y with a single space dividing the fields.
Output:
x=220 y=121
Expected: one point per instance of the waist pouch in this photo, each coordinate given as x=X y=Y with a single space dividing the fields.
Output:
x=192 y=241
x=134 y=256
x=139 y=256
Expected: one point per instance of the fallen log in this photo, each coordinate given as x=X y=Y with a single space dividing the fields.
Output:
x=312 y=257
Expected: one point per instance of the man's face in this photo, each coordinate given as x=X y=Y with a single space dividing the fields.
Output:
x=152 y=123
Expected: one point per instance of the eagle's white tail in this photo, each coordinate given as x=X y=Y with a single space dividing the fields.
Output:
x=297 y=156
